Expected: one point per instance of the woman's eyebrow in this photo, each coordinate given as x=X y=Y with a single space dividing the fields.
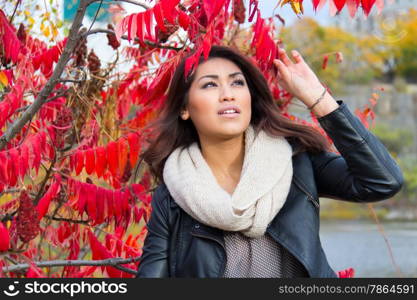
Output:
x=216 y=76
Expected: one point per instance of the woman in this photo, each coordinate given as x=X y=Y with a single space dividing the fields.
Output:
x=238 y=183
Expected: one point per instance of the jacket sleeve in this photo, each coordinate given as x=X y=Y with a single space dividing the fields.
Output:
x=364 y=172
x=154 y=260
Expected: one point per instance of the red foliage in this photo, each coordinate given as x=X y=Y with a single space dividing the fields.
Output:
x=347 y=273
x=10 y=45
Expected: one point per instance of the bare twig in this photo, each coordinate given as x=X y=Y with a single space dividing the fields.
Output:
x=381 y=230
x=14 y=11
x=113 y=262
x=95 y=16
x=70 y=80
x=27 y=116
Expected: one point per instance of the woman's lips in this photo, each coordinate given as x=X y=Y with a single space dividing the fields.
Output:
x=229 y=116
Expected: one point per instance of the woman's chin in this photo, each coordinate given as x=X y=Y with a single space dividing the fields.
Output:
x=230 y=130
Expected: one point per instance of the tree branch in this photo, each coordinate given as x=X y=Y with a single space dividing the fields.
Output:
x=113 y=262
x=27 y=116
x=136 y=39
x=67 y=220
x=46 y=101
x=145 y=6
x=10 y=191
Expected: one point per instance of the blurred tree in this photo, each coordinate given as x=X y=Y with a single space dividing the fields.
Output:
x=335 y=55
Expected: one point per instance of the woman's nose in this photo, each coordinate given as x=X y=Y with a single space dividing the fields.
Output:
x=227 y=94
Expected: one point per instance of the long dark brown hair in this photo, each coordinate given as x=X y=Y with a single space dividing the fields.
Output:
x=170 y=131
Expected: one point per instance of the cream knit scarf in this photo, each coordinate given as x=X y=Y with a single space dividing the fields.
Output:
x=261 y=192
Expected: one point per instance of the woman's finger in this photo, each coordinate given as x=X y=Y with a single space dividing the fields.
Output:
x=297 y=56
x=283 y=56
x=283 y=72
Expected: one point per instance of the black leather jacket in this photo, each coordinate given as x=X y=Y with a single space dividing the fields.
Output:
x=179 y=246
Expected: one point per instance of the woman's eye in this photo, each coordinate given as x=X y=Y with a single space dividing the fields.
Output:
x=239 y=81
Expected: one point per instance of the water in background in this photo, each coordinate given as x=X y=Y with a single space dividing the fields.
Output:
x=360 y=245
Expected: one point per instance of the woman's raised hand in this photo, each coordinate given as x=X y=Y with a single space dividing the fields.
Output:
x=297 y=77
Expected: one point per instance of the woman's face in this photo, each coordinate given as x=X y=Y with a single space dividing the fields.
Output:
x=218 y=83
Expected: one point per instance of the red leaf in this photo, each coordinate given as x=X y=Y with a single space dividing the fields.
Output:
x=101 y=161
x=44 y=202
x=315 y=4
x=134 y=148
x=125 y=195
x=82 y=197
x=14 y=161
x=123 y=153
x=36 y=148
x=4 y=236
x=121 y=28
x=138 y=214
x=212 y=8
x=191 y=62
x=352 y=6
x=117 y=203
x=339 y=4
x=89 y=161
x=11 y=170
x=101 y=252
x=91 y=201
x=42 y=139
x=207 y=42
x=131 y=26
x=139 y=24
x=34 y=272
x=109 y=203
x=339 y=57
x=159 y=16
x=367 y=6
x=100 y=201
x=80 y=161
x=253 y=10
x=112 y=155
x=97 y=249
x=183 y=20
x=169 y=11
x=72 y=162
x=347 y=273
x=4 y=177
x=148 y=21
x=325 y=61
x=24 y=161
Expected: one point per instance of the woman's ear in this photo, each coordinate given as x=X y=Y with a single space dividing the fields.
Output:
x=184 y=114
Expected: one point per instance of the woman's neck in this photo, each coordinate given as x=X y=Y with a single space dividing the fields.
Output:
x=225 y=158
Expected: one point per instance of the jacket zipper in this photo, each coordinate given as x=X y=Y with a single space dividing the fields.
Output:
x=217 y=241
x=309 y=196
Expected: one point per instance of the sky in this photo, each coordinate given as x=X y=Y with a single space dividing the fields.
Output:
x=267 y=10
